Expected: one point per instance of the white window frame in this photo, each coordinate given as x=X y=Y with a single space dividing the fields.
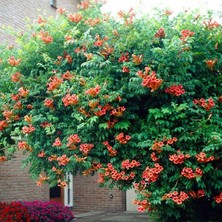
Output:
x=68 y=191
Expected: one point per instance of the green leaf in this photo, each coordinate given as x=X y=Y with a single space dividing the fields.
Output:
x=103 y=125
x=122 y=125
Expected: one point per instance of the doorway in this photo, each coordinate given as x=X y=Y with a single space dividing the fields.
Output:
x=63 y=195
x=130 y=197
x=56 y=194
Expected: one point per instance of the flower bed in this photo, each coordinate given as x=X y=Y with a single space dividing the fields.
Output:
x=14 y=211
x=35 y=211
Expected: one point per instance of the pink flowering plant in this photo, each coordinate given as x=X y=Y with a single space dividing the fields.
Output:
x=14 y=211
x=34 y=211
x=136 y=99
x=41 y=211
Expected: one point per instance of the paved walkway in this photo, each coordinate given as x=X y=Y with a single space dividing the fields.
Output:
x=101 y=216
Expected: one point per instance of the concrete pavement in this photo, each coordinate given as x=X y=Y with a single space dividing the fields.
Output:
x=101 y=216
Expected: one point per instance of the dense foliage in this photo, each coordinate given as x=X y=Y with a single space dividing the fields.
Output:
x=35 y=211
x=137 y=100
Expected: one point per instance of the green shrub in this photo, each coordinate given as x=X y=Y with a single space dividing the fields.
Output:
x=137 y=99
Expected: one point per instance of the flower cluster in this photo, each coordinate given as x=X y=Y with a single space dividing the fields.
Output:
x=124 y=57
x=74 y=17
x=152 y=174
x=49 y=103
x=111 y=123
x=67 y=75
x=45 y=37
x=150 y=80
x=28 y=119
x=86 y=147
x=45 y=124
x=102 y=110
x=69 y=100
x=22 y=145
x=80 y=159
x=137 y=59
x=94 y=168
x=13 y=61
x=211 y=24
x=185 y=34
x=177 y=197
x=22 y=92
x=125 y=69
x=3 y=125
x=175 y=90
x=153 y=157
x=123 y=139
x=190 y=174
x=52 y=158
x=42 y=154
x=143 y=205
x=118 y=111
x=99 y=42
x=85 y=4
x=206 y=104
x=211 y=63
x=111 y=172
x=160 y=33
x=72 y=141
x=126 y=164
x=93 y=91
x=157 y=145
x=42 y=179
x=178 y=158
x=28 y=129
x=40 y=20
x=198 y=194
x=202 y=157
x=3 y=158
x=92 y=22
x=141 y=186
x=62 y=183
x=106 y=51
x=54 y=83
x=127 y=16
x=112 y=152
x=218 y=198
x=16 y=77
x=9 y=115
x=57 y=171
x=57 y=142
x=63 y=160
x=68 y=58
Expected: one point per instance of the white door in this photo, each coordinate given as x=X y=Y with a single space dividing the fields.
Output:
x=130 y=197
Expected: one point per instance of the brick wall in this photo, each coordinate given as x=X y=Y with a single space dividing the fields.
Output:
x=88 y=196
x=14 y=12
x=16 y=184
